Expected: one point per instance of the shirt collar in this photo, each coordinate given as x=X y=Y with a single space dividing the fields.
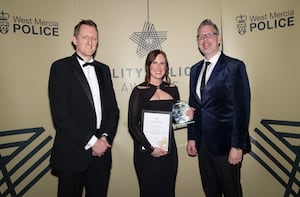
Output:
x=81 y=61
x=214 y=59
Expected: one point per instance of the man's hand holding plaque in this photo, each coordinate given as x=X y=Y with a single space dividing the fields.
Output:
x=182 y=114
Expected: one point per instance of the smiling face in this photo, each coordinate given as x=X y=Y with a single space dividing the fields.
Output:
x=208 y=40
x=158 y=69
x=86 y=41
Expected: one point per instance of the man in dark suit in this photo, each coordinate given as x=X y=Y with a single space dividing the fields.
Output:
x=220 y=93
x=85 y=115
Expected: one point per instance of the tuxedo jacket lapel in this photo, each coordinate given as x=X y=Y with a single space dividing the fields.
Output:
x=218 y=68
x=213 y=78
x=100 y=78
x=195 y=80
x=82 y=80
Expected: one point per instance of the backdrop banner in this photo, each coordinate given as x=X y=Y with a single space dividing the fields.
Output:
x=264 y=35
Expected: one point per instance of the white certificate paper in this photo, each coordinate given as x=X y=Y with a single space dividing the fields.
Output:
x=156 y=127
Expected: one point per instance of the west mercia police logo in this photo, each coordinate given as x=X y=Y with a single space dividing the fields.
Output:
x=267 y=21
x=28 y=25
x=241 y=24
x=4 y=25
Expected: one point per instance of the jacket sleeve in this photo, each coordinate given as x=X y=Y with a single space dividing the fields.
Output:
x=193 y=129
x=241 y=102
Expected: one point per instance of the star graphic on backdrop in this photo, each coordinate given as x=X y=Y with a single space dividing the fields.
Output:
x=148 y=40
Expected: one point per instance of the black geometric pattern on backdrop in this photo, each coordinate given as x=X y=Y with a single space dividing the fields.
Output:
x=23 y=155
x=148 y=39
x=286 y=134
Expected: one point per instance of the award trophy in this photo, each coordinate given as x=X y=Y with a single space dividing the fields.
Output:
x=180 y=118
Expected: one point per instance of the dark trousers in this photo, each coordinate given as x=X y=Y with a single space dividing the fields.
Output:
x=218 y=176
x=95 y=181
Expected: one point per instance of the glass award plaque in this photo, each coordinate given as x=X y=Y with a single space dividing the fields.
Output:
x=181 y=120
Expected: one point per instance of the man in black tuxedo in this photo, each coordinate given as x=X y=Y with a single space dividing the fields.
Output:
x=220 y=93
x=85 y=115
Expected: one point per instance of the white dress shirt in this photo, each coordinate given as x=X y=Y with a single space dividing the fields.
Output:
x=209 y=70
x=90 y=74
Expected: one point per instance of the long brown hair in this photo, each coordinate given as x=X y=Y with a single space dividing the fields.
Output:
x=150 y=58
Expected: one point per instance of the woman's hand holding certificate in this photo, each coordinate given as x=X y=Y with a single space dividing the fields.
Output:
x=156 y=127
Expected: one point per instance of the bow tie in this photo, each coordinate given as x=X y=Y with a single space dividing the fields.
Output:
x=87 y=63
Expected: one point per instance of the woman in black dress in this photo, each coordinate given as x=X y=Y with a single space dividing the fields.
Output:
x=156 y=168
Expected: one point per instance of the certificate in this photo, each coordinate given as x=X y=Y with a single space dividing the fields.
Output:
x=156 y=127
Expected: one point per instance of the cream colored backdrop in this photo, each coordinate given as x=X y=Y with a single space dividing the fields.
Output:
x=270 y=56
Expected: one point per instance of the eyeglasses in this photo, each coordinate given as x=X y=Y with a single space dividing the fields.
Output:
x=207 y=35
